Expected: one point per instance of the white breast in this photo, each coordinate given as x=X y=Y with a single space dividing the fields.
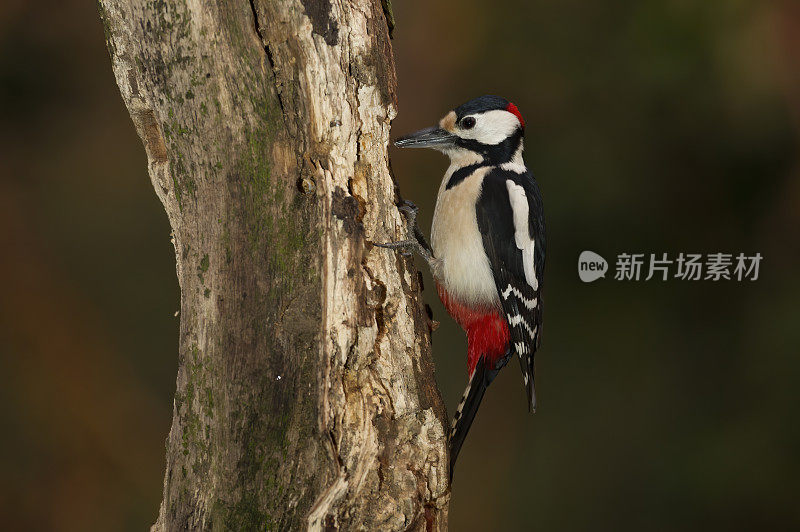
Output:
x=464 y=267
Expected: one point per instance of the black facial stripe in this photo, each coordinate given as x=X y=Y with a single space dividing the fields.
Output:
x=493 y=153
x=461 y=174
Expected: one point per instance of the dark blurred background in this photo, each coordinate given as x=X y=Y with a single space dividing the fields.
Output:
x=653 y=126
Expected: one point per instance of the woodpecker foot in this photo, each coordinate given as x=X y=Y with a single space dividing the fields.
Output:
x=416 y=241
x=407 y=248
x=410 y=210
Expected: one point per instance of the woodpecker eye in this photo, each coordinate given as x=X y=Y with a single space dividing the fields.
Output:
x=467 y=122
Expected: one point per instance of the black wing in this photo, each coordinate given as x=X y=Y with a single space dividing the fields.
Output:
x=518 y=278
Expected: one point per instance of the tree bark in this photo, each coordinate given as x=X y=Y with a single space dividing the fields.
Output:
x=305 y=392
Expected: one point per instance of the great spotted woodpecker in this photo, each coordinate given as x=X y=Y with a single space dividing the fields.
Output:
x=488 y=244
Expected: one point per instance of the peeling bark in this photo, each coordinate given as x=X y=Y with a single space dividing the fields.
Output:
x=305 y=391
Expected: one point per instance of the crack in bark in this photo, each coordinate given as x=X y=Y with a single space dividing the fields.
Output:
x=268 y=53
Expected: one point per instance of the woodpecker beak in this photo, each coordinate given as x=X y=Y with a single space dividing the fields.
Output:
x=432 y=137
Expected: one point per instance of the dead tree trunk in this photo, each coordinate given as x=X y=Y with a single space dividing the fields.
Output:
x=305 y=392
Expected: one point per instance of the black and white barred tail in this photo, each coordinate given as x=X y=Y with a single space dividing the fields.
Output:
x=481 y=378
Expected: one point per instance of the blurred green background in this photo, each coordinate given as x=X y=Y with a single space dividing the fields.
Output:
x=653 y=126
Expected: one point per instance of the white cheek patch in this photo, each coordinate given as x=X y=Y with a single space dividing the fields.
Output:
x=491 y=127
x=522 y=237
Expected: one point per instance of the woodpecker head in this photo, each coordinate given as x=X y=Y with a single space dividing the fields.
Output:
x=488 y=128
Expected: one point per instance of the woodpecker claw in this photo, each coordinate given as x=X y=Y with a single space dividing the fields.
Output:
x=416 y=241
x=406 y=247
x=410 y=210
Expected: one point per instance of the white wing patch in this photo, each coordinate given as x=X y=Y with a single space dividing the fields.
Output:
x=522 y=236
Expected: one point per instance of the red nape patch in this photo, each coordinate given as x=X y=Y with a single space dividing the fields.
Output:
x=487 y=331
x=511 y=108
